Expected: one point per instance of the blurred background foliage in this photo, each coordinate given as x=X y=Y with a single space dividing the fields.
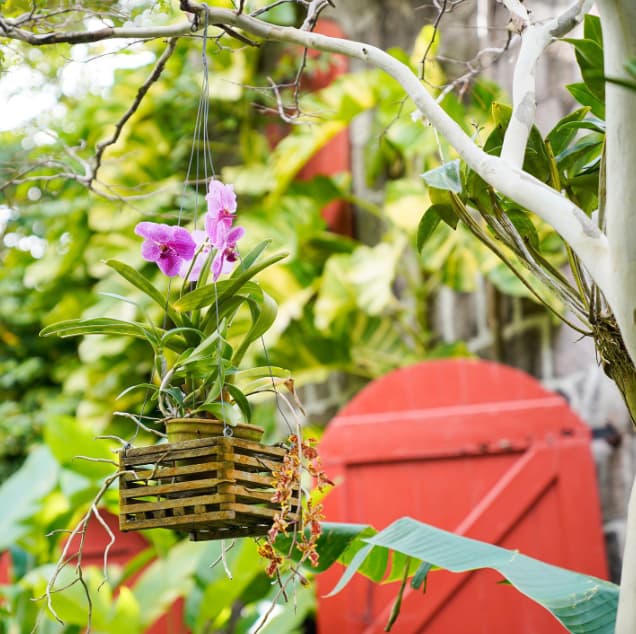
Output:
x=360 y=309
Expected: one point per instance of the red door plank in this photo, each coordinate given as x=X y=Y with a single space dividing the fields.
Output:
x=473 y=447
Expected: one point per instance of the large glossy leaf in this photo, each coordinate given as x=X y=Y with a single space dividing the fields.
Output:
x=582 y=603
x=589 y=55
x=586 y=97
x=19 y=494
x=168 y=578
x=563 y=132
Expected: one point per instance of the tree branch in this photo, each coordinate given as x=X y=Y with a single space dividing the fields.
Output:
x=141 y=93
x=534 y=40
x=585 y=238
x=587 y=241
x=11 y=31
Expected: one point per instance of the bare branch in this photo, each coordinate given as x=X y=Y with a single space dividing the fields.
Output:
x=64 y=558
x=141 y=93
x=82 y=37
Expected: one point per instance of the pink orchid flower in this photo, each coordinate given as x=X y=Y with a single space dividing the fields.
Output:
x=201 y=251
x=168 y=246
x=221 y=207
x=228 y=254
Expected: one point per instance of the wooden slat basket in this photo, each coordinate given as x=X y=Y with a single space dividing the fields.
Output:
x=214 y=488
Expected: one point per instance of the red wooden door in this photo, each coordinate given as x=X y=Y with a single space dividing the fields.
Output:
x=473 y=447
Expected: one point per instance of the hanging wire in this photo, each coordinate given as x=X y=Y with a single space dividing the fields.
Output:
x=200 y=161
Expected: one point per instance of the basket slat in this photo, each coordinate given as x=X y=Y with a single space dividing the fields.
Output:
x=214 y=488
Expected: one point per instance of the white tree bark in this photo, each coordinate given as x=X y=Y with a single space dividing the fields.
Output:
x=618 y=19
x=587 y=241
x=535 y=38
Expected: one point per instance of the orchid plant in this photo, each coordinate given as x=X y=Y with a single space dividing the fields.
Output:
x=196 y=353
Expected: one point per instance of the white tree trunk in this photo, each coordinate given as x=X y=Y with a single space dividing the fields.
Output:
x=618 y=18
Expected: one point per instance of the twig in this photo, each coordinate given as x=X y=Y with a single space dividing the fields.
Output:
x=137 y=421
x=141 y=93
x=64 y=558
x=111 y=541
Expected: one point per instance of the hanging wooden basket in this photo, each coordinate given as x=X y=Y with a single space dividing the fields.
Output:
x=214 y=488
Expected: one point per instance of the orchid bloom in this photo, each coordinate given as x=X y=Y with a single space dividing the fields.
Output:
x=168 y=246
x=202 y=249
x=227 y=254
x=221 y=207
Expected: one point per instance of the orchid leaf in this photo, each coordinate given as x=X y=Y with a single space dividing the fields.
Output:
x=241 y=401
x=263 y=316
x=223 y=290
x=103 y=326
x=218 y=312
x=208 y=348
x=263 y=377
x=250 y=258
x=226 y=412
x=139 y=386
x=144 y=285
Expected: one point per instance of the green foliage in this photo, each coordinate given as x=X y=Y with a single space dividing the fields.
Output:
x=192 y=380
x=589 y=56
x=342 y=305
x=582 y=604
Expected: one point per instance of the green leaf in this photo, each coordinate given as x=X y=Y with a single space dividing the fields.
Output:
x=223 y=290
x=427 y=226
x=589 y=55
x=592 y=29
x=226 y=412
x=103 y=326
x=445 y=177
x=241 y=401
x=21 y=493
x=207 y=350
x=167 y=579
x=563 y=132
x=586 y=98
x=352 y=568
x=250 y=258
x=524 y=225
x=582 y=603
x=67 y=437
x=536 y=160
x=258 y=378
x=144 y=285
x=263 y=316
